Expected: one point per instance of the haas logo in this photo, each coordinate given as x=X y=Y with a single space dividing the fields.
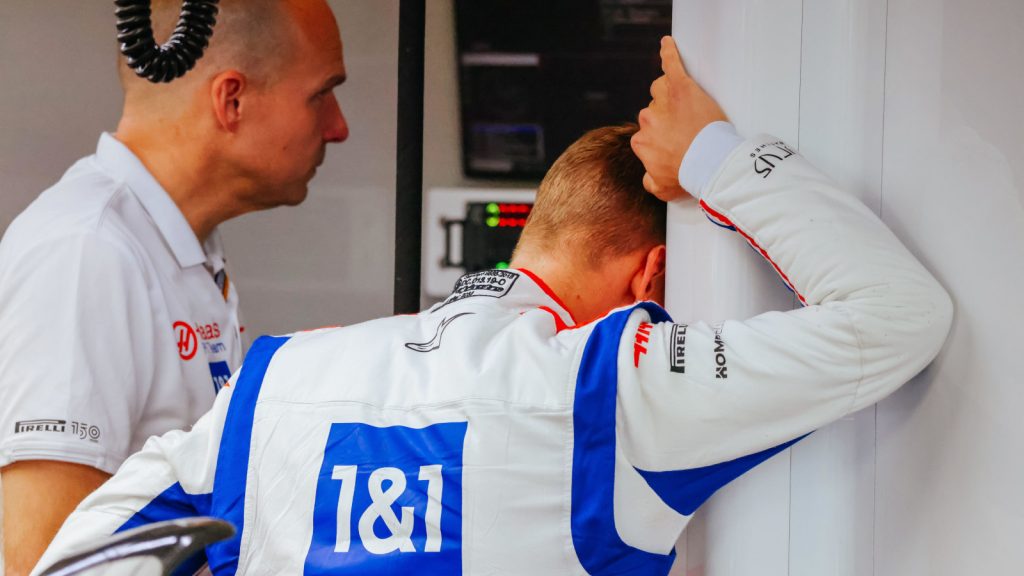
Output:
x=188 y=343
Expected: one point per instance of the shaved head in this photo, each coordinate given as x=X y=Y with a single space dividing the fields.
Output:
x=255 y=37
x=248 y=126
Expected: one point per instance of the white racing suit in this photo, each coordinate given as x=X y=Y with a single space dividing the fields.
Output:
x=492 y=435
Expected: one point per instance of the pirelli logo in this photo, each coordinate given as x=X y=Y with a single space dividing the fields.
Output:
x=678 y=359
x=40 y=426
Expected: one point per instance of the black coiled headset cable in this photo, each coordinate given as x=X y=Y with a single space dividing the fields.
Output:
x=179 y=54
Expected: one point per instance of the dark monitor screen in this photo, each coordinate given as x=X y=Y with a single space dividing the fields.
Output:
x=534 y=76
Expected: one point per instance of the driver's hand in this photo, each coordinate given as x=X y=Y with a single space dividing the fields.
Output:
x=678 y=111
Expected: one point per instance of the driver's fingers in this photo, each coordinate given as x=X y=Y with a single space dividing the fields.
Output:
x=643 y=119
x=659 y=88
x=671 y=61
x=649 y=184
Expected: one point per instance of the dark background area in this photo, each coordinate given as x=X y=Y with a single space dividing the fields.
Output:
x=575 y=65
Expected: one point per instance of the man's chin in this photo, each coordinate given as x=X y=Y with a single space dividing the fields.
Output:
x=297 y=197
x=292 y=197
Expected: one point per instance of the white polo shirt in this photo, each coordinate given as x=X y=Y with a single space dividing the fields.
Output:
x=113 y=327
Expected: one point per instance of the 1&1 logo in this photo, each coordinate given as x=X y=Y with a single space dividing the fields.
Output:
x=188 y=343
x=221 y=373
x=389 y=499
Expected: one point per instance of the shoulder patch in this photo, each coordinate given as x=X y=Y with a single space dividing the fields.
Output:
x=492 y=283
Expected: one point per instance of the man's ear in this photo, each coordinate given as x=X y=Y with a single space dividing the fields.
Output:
x=649 y=281
x=226 y=94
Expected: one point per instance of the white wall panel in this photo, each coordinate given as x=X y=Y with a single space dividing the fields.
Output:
x=950 y=459
x=810 y=510
x=842 y=83
x=842 y=86
x=917 y=107
x=746 y=54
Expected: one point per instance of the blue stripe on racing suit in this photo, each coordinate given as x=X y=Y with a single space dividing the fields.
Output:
x=597 y=542
x=686 y=490
x=233 y=456
x=172 y=504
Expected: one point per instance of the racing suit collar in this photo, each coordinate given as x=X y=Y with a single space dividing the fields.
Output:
x=562 y=308
x=514 y=288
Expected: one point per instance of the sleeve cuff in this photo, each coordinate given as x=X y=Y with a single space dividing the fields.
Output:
x=708 y=151
x=17 y=450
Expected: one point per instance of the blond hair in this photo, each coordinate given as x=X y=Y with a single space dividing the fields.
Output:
x=592 y=201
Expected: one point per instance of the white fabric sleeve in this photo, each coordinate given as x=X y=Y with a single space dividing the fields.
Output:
x=76 y=352
x=700 y=395
x=171 y=477
x=708 y=151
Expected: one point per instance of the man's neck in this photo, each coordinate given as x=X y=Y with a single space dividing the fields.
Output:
x=586 y=293
x=187 y=171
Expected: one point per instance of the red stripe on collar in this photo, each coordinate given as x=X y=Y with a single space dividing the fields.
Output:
x=547 y=290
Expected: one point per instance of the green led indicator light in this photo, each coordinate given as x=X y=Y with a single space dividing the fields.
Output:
x=501 y=266
x=493 y=208
x=493 y=221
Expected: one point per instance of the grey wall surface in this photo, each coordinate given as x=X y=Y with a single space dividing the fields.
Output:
x=329 y=261
x=58 y=91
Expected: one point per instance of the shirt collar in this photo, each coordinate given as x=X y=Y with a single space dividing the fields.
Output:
x=512 y=288
x=125 y=166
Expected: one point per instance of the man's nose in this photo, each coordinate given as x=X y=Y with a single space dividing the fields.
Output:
x=336 y=129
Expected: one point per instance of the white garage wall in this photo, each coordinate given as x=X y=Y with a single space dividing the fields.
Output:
x=328 y=261
x=747 y=54
x=950 y=490
x=916 y=106
x=58 y=91
x=842 y=82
